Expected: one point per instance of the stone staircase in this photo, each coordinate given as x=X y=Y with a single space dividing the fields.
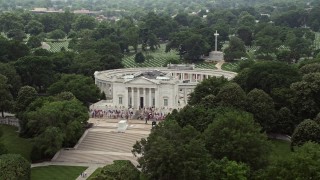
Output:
x=103 y=145
x=109 y=141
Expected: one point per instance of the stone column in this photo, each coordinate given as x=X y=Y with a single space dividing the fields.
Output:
x=138 y=98
x=144 y=97
x=150 y=97
x=132 y=97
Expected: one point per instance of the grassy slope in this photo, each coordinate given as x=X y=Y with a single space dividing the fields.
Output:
x=95 y=173
x=280 y=149
x=14 y=143
x=56 y=172
x=231 y=66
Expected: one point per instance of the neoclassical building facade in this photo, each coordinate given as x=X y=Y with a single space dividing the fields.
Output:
x=165 y=88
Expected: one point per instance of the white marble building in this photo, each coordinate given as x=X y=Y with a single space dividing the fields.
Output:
x=165 y=88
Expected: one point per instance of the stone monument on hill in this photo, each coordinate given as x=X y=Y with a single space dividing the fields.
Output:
x=215 y=55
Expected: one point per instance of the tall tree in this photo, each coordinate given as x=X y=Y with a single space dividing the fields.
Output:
x=187 y=159
x=307 y=130
x=207 y=87
x=245 y=142
x=261 y=105
x=82 y=87
x=235 y=50
x=6 y=100
x=35 y=71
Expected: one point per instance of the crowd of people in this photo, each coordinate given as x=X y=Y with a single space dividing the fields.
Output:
x=146 y=113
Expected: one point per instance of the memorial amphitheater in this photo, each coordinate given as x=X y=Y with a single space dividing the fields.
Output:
x=161 y=87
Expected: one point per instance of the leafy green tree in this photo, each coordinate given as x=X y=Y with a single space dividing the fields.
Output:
x=245 y=142
x=307 y=130
x=63 y=61
x=16 y=34
x=81 y=86
x=188 y=156
x=261 y=105
x=84 y=22
x=50 y=141
x=9 y=71
x=207 y=87
x=26 y=95
x=228 y=170
x=231 y=95
x=10 y=21
x=301 y=164
x=132 y=34
x=107 y=47
x=197 y=116
x=267 y=37
x=57 y=34
x=235 y=50
x=306 y=96
x=139 y=58
x=246 y=19
x=182 y=19
x=190 y=45
x=292 y=18
x=34 y=42
x=246 y=35
x=310 y=68
x=267 y=76
x=14 y=166
x=69 y=116
x=120 y=169
x=34 y=27
x=286 y=121
x=35 y=71
x=6 y=100
x=51 y=21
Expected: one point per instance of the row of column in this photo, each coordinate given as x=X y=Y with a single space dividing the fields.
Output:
x=135 y=100
x=192 y=77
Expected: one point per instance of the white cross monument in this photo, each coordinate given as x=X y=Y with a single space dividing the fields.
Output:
x=216 y=41
x=215 y=55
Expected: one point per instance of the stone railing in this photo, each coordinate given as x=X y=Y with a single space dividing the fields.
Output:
x=10 y=121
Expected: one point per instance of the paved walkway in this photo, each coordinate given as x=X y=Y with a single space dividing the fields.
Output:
x=219 y=65
x=45 y=45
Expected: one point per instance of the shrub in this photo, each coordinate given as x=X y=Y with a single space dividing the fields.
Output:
x=14 y=166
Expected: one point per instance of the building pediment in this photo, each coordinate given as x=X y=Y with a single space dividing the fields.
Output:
x=142 y=81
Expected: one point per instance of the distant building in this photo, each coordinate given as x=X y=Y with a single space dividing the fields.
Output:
x=164 y=88
x=51 y=10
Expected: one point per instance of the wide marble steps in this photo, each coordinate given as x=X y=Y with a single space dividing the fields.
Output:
x=102 y=147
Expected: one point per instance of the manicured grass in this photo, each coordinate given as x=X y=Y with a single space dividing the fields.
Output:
x=280 y=149
x=95 y=173
x=231 y=66
x=56 y=46
x=14 y=143
x=160 y=58
x=56 y=172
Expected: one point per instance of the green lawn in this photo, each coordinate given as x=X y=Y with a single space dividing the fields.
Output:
x=14 y=143
x=56 y=46
x=95 y=173
x=56 y=172
x=231 y=66
x=280 y=149
x=160 y=58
